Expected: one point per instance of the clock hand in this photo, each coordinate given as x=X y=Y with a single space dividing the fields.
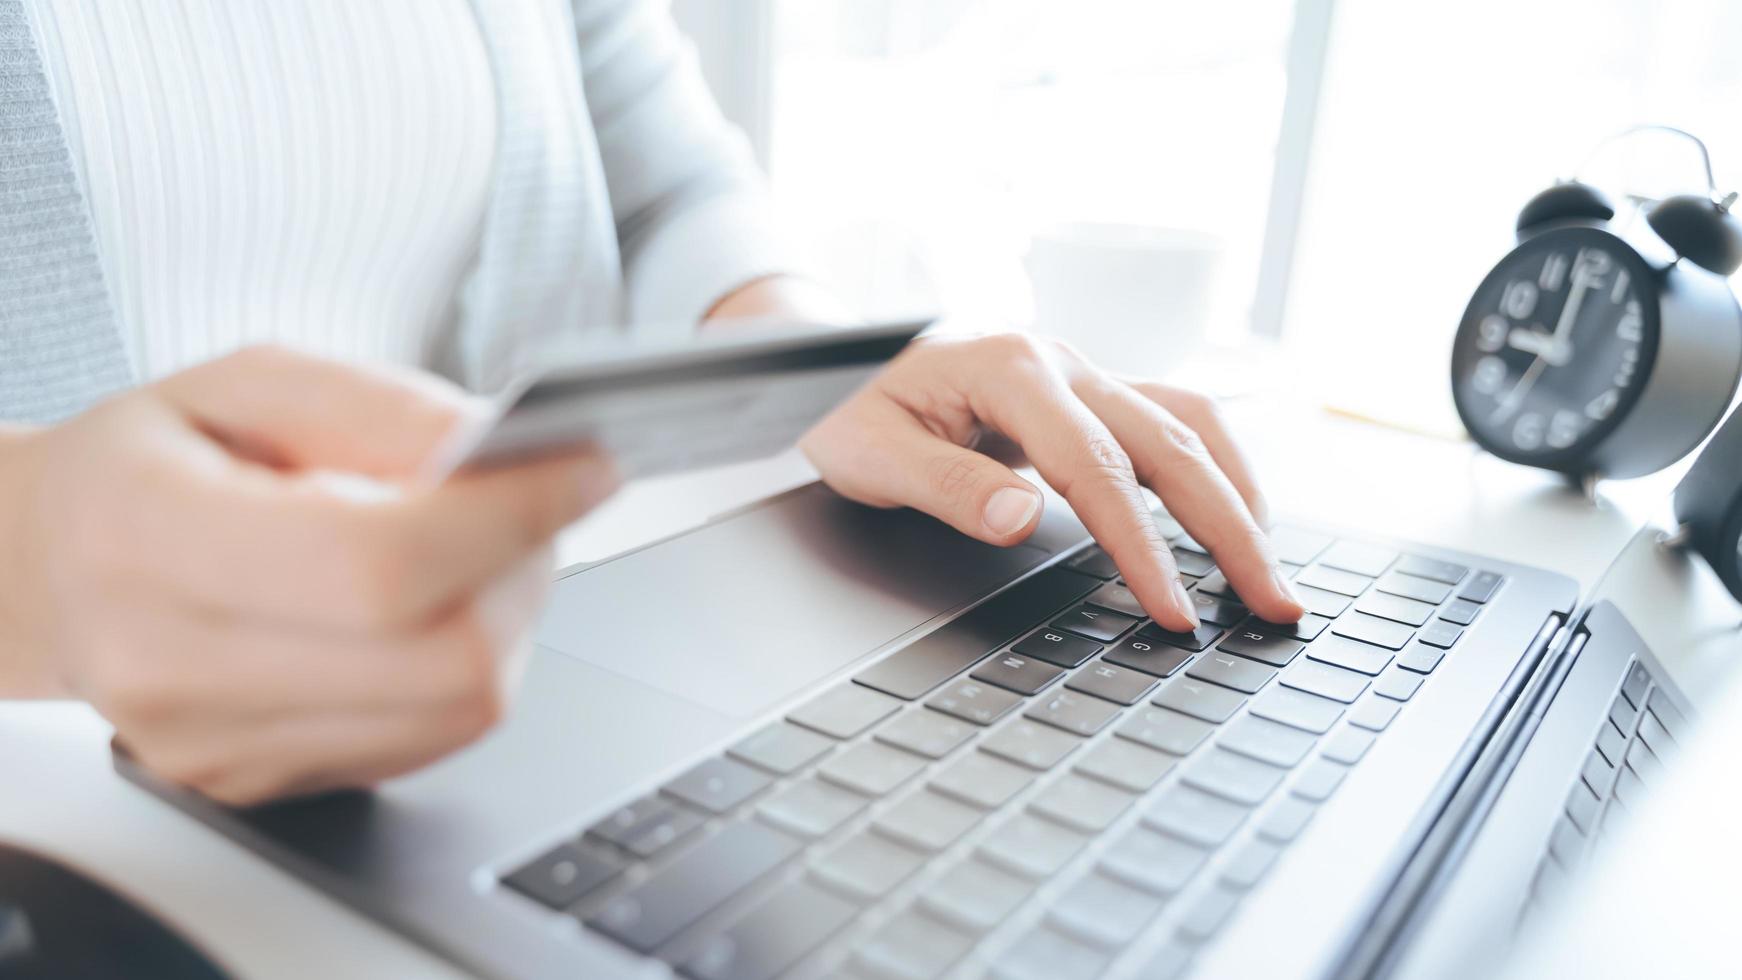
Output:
x=1515 y=397
x=1531 y=341
x=1561 y=350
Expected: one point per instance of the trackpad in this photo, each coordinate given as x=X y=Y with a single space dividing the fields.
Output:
x=747 y=611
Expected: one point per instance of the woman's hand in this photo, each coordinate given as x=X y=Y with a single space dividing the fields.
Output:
x=908 y=439
x=237 y=568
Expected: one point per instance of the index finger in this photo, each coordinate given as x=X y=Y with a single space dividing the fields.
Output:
x=1079 y=457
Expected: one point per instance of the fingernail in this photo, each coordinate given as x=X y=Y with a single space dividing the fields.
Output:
x=1185 y=603
x=1010 y=509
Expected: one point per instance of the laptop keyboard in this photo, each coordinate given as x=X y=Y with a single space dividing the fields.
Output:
x=1633 y=743
x=1050 y=785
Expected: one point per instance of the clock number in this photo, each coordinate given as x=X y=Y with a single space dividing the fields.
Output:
x=1554 y=272
x=1491 y=333
x=1527 y=431
x=1490 y=375
x=1591 y=265
x=1632 y=323
x=1519 y=301
x=1619 y=293
x=1563 y=431
x=1602 y=406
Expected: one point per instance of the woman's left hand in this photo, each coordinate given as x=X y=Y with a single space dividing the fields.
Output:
x=909 y=437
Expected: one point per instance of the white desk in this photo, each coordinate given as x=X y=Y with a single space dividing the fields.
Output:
x=62 y=797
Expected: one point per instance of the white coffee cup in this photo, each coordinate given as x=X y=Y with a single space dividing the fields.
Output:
x=1131 y=297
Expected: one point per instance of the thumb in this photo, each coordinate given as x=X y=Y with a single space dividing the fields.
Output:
x=298 y=411
x=912 y=467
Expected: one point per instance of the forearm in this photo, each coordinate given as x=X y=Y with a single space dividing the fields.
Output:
x=26 y=669
x=778 y=299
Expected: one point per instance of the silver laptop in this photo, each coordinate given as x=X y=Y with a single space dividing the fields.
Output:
x=813 y=739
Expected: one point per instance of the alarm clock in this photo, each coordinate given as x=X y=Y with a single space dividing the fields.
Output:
x=1708 y=505
x=1600 y=348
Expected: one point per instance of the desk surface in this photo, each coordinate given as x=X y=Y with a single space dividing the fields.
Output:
x=62 y=797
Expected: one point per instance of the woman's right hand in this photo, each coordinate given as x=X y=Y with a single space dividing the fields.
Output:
x=236 y=567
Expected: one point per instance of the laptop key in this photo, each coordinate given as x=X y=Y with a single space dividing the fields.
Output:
x=1196 y=640
x=1193 y=815
x=1031 y=847
x=1635 y=686
x=1297 y=546
x=1216 y=584
x=1216 y=610
x=1412 y=587
x=927 y=821
x=1333 y=580
x=564 y=875
x=1481 y=588
x=1094 y=561
x=913 y=945
x=1325 y=680
x=1076 y=713
x=1598 y=774
x=782 y=748
x=1350 y=654
x=1306 y=630
x=844 y=711
x=1318 y=780
x=1207 y=913
x=1157 y=863
x=1028 y=744
x=1081 y=803
x=1348 y=745
x=1121 y=685
x=1374 y=714
x=647 y=826
x=871 y=769
x=1462 y=611
x=773 y=936
x=1447 y=572
x=1372 y=629
x=1420 y=658
x=1611 y=743
x=1151 y=655
x=1194 y=564
x=1652 y=732
x=1014 y=672
x=1231 y=671
x=1200 y=699
x=1566 y=843
x=717 y=785
x=1667 y=713
x=1233 y=777
x=1582 y=807
x=975 y=896
x=926 y=732
x=974 y=702
x=982 y=780
x=1043 y=954
x=1441 y=634
x=1267 y=741
x=1283 y=820
x=1249 y=863
x=1362 y=559
x=1320 y=602
x=1307 y=712
x=1103 y=912
x=1117 y=598
x=1163 y=729
x=867 y=866
x=1125 y=764
x=811 y=807
x=1167 y=963
x=1263 y=646
x=693 y=884
x=1397 y=684
x=922 y=665
x=1056 y=647
x=1096 y=623
x=1395 y=608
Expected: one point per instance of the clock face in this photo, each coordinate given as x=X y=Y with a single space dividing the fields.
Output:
x=1555 y=347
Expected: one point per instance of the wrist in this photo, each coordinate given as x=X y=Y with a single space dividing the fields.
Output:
x=26 y=667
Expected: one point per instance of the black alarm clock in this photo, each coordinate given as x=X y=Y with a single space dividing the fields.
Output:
x=1600 y=348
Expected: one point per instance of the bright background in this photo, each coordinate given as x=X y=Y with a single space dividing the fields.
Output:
x=917 y=147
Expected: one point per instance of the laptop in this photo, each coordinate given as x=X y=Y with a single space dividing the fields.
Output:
x=813 y=739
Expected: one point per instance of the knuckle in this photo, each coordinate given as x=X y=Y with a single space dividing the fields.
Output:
x=956 y=477
x=1180 y=440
